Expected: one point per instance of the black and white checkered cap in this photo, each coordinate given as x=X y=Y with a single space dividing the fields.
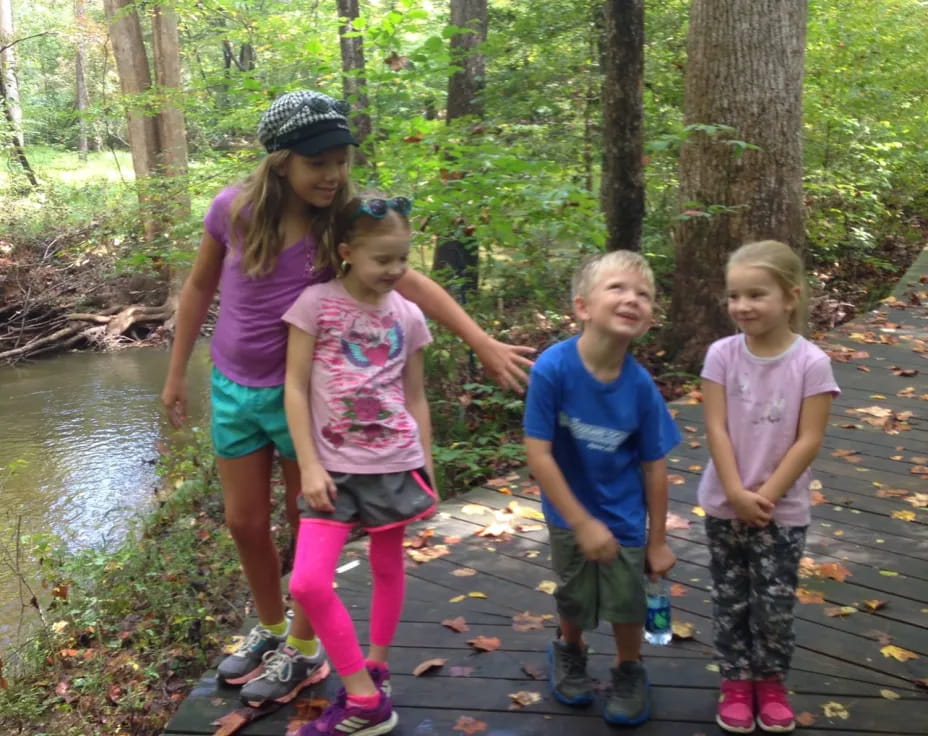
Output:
x=307 y=122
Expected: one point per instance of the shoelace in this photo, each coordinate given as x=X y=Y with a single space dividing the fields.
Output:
x=278 y=665
x=254 y=638
x=626 y=684
x=574 y=663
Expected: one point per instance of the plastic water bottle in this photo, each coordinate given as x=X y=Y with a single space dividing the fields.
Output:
x=426 y=728
x=657 y=625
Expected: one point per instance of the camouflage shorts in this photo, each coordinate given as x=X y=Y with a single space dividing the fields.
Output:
x=754 y=576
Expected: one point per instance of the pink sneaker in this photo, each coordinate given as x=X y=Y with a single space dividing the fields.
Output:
x=774 y=713
x=735 y=713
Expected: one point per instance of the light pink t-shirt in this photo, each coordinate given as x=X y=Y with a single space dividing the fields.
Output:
x=359 y=419
x=764 y=397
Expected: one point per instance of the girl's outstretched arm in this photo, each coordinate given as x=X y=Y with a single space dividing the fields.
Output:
x=196 y=295
x=417 y=404
x=504 y=363
x=813 y=419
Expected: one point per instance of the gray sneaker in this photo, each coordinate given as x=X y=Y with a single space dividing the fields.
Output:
x=286 y=672
x=247 y=662
x=567 y=674
x=628 y=704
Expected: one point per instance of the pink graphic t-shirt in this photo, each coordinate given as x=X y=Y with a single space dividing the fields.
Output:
x=764 y=397
x=359 y=419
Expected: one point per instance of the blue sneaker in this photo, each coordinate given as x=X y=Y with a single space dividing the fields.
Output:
x=629 y=702
x=341 y=719
x=570 y=683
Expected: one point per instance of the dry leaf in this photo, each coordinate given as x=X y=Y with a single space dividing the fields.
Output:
x=835 y=710
x=547 y=586
x=818 y=498
x=676 y=480
x=834 y=611
x=473 y=509
x=873 y=605
x=458 y=671
x=533 y=671
x=456 y=624
x=485 y=643
x=527 y=621
x=427 y=554
x=805 y=595
x=683 y=630
x=898 y=653
x=890 y=694
x=677 y=590
x=469 y=726
x=476 y=594
x=805 y=719
x=699 y=511
x=457 y=599
x=881 y=636
x=905 y=515
x=427 y=665
x=675 y=521
x=523 y=698
x=464 y=572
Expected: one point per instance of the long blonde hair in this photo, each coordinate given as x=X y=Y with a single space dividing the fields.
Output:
x=257 y=211
x=784 y=264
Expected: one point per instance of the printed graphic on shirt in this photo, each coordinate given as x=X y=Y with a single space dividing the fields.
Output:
x=605 y=439
x=767 y=410
x=363 y=357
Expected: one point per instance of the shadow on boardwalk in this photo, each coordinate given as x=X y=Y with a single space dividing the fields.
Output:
x=857 y=673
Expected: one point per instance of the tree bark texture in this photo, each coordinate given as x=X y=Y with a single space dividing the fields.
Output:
x=465 y=86
x=8 y=69
x=80 y=82
x=354 y=81
x=623 y=177
x=744 y=69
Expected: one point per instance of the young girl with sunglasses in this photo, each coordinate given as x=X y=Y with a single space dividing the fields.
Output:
x=767 y=392
x=259 y=249
x=356 y=406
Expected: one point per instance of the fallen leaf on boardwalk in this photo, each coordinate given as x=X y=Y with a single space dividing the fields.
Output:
x=877 y=396
x=699 y=511
x=881 y=636
x=675 y=521
x=919 y=470
x=805 y=595
x=904 y=372
x=677 y=590
x=835 y=570
x=676 y=480
x=533 y=671
x=921 y=682
x=237 y=719
x=476 y=594
x=815 y=485
x=889 y=573
x=892 y=493
x=427 y=554
x=485 y=643
x=547 y=586
x=872 y=605
x=847 y=454
x=805 y=719
x=690 y=428
x=833 y=611
x=497 y=529
x=463 y=572
x=456 y=624
x=890 y=694
x=508 y=491
x=532 y=491
x=898 y=653
x=524 y=528
x=683 y=630
x=835 y=710
x=469 y=726
x=458 y=671
x=307 y=709
x=818 y=498
x=525 y=512
x=452 y=540
x=523 y=698
x=919 y=460
x=498 y=482
x=694 y=444
x=427 y=665
x=473 y=509
x=420 y=540
x=695 y=468
x=527 y=621
x=904 y=515
x=457 y=599
x=918 y=500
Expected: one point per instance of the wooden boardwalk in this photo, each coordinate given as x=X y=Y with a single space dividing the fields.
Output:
x=864 y=671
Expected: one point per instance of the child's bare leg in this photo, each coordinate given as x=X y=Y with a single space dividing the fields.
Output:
x=627 y=642
x=246 y=490
x=570 y=633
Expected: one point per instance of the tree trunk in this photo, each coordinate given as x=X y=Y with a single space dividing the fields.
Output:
x=80 y=82
x=8 y=69
x=744 y=70
x=134 y=80
x=354 y=81
x=465 y=86
x=623 y=176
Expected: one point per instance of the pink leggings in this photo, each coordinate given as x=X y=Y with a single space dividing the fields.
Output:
x=318 y=547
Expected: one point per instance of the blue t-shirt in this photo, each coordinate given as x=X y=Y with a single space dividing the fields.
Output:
x=600 y=433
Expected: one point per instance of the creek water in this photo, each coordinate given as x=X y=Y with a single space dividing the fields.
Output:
x=78 y=451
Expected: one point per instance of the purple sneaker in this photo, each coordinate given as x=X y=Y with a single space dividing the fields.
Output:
x=380 y=674
x=340 y=719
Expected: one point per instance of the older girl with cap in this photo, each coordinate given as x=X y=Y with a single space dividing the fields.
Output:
x=259 y=249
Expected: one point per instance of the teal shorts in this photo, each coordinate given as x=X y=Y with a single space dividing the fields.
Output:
x=245 y=418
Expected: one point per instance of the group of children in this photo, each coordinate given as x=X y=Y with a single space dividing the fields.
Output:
x=318 y=360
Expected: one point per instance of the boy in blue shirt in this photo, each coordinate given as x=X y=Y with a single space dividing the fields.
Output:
x=597 y=432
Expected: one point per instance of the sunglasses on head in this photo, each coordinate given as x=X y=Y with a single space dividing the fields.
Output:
x=378 y=208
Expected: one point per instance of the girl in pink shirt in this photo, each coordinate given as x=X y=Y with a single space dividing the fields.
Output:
x=767 y=392
x=259 y=249
x=356 y=406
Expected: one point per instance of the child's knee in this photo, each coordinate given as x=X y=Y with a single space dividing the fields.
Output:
x=248 y=529
x=308 y=587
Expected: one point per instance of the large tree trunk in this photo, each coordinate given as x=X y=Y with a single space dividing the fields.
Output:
x=8 y=69
x=354 y=81
x=465 y=86
x=745 y=67
x=80 y=82
x=623 y=177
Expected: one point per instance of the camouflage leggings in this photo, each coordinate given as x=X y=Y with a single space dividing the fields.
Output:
x=754 y=577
